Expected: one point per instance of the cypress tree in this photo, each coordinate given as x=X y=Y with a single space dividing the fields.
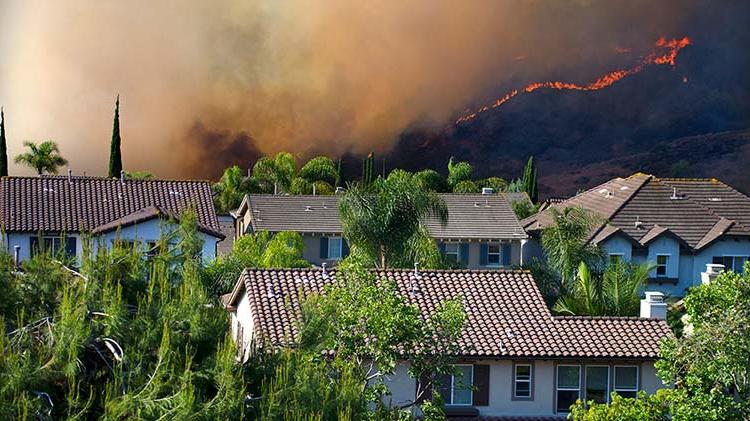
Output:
x=529 y=180
x=115 y=157
x=3 y=146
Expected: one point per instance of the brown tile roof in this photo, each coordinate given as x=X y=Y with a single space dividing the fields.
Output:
x=57 y=203
x=469 y=216
x=644 y=207
x=506 y=315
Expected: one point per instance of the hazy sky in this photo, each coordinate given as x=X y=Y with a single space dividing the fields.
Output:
x=203 y=84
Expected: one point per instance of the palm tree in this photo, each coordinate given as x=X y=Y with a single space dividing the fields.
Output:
x=279 y=174
x=231 y=189
x=44 y=157
x=566 y=243
x=459 y=177
x=616 y=292
x=383 y=222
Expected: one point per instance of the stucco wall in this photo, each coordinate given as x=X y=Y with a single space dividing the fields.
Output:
x=243 y=317
x=617 y=244
x=501 y=400
x=146 y=231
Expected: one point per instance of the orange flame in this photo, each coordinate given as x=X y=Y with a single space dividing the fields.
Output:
x=672 y=46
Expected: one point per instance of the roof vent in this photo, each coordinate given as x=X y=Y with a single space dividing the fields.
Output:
x=676 y=196
x=122 y=176
x=70 y=176
x=714 y=199
x=487 y=190
x=638 y=224
x=624 y=188
x=325 y=273
x=308 y=208
x=339 y=190
x=476 y=204
x=174 y=193
x=271 y=293
x=610 y=193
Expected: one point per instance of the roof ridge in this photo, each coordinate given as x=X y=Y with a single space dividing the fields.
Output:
x=334 y=269
x=101 y=178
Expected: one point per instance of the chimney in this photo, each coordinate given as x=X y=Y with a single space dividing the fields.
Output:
x=712 y=271
x=315 y=190
x=122 y=176
x=653 y=306
x=17 y=256
x=487 y=190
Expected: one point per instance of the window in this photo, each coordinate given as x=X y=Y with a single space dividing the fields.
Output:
x=493 y=255
x=53 y=245
x=451 y=252
x=597 y=383
x=568 y=386
x=334 y=248
x=457 y=389
x=662 y=260
x=615 y=258
x=733 y=263
x=626 y=381
x=522 y=381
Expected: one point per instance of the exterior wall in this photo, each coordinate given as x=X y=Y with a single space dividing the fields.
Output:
x=311 y=253
x=668 y=245
x=617 y=244
x=242 y=317
x=532 y=249
x=146 y=231
x=542 y=402
x=475 y=253
x=724 y=247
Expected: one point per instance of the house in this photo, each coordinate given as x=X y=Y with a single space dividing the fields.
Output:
x=66 y=209
x=679 y=225
x=226 y=226
x=482 y=230
x=516 y=358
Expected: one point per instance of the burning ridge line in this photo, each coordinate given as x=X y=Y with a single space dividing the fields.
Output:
x=672 y=47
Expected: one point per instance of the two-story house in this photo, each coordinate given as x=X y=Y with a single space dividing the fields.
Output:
x=678 y=225
x=515 y=360
x=56 y=213
x=482 y=231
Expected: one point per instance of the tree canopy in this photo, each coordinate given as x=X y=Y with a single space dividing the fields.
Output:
x=44 y=157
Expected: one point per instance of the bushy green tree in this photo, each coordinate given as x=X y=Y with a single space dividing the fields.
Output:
x=523 y=209
x=431 y=180
x=279 y=174
x=459 y=174
x=382 y=220
x=91 y=350
x=258 y=250
x=231 y=189
x=44 y=157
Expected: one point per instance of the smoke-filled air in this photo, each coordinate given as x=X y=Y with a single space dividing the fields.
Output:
x=207 y=84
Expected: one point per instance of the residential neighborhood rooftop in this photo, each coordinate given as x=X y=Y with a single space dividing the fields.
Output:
x=469 y=215
x=644 y=207
x=80 y=203
x=506 y=314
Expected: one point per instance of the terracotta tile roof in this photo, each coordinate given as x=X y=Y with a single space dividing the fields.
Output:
x=469 y=216
x=59 y=203
x=645 y=207
x=506 y=314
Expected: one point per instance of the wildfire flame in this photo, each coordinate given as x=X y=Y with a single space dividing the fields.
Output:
x=657 y=56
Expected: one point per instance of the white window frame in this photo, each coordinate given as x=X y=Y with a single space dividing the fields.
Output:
x=637 y=379
x=530 y=381
x=607 y=391
x=620 y=257
x=557 y=384
x=469 y=384
x=665 y=265
x=340 y=248
x=456 y=253
x=499 y=254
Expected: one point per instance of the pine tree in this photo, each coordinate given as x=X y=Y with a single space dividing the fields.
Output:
x=3 y=146
x=115 y=157
x=529 y=180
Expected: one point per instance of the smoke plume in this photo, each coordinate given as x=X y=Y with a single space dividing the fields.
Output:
x=337 y=77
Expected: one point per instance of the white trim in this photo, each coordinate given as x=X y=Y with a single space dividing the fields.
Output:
x=470 y=385
x=341 y=248
x=530 y=380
